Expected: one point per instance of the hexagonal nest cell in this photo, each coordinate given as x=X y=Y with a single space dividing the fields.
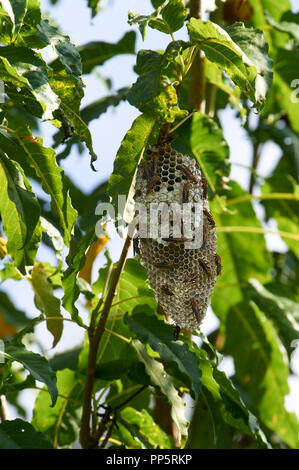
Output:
x=182 y=273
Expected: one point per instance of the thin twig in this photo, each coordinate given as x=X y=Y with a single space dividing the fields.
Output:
x=86 y=439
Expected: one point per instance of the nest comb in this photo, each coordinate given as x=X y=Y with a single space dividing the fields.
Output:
x=182 y=278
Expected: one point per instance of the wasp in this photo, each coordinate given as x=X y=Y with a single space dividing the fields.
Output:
x=155 y=165
x=218 y=264
x=204 y=266
x=146 y=171
x=176 y=332
x=188 y=173
x=204 y=237
x=191 y=277
x=151 y=183
x=186 y=192
x=175 y=240
x=209 y=217
x=195 y=309
x=165 y=265
x=204 y=183
x=166 y=290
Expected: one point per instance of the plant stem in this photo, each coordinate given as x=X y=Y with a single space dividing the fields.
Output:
x=255 y=161
x=87 y=440
x=197 y=72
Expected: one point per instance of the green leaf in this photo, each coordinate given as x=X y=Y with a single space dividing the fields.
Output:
x=168 y=17
x=160 y=378
x=10 y=272
x=154 y=91
x=62 y=45
x=16 y=10
x=181 y=362
x=227 y=55
x=252 y=42
x=141 y=425
x=261 y=368
x=216 y=77
x=26 y=78
x=288 y=27
x=95 y=53
x=283 y=180
x=60 y=423
x=75 y=260
x=129 y=153
x=18 y=434
x=244 y=255
x=95 y=6
x=202 y=139
x=224 y=403
x=46 y=301
x=20 y=213
x=30 y=151
x=37 y=365
x=282 y=311
x=70 y=93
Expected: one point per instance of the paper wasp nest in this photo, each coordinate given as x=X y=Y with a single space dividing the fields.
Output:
x=182 y=277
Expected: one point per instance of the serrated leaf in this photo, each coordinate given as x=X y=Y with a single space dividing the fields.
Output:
x=226 y=54
x=62 y=45
x=252 y=42
x=168 y=17
x=282 y=311
x=96 y=53
x=25 y=76
x=46 y=301
x=160 y=378
x=141 y=425
x=154 y=92
x=37 y=365
x=261 y=368
x=20 y=213
x=181 y=362
x=30 y=151
x=18 y=434
x=60 y=423
x=70 y=93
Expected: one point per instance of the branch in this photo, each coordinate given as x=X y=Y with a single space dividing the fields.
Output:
x=87 y=440
x=197 y=86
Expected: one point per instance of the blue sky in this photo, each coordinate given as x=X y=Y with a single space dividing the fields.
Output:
x=74 y=18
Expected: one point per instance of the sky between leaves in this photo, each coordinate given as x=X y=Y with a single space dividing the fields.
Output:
x=74 y=19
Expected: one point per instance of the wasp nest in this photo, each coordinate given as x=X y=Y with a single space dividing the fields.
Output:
x=182 y=268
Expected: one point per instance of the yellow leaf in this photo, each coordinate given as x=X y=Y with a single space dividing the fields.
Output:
x=92 y=252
